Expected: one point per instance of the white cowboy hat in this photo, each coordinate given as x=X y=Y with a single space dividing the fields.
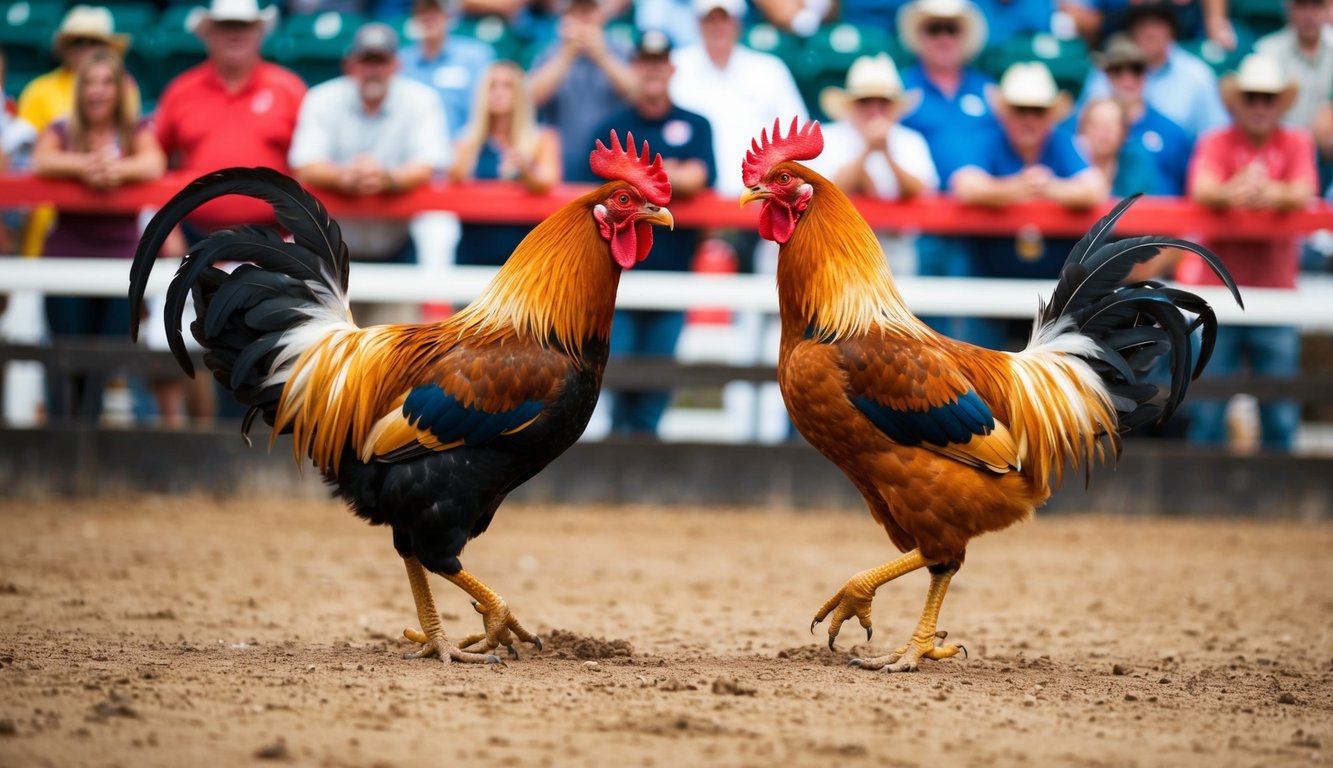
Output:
x=247 y=11
x=1259 y=73
x=94 y=22
x=734 y=8
x=869 y=77
x=912 y=15
x=1030 y=84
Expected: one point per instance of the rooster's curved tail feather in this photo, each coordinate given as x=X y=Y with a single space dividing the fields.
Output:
x=242 y=317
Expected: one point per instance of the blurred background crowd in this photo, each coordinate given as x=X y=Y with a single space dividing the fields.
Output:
x=1226 y=102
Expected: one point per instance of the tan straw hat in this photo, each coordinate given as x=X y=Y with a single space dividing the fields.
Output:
x=914 y=14
x=1030 y=84
x=1259 y=73
x=869 y=77
x=91 y=22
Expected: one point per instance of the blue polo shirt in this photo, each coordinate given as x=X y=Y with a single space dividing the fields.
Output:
x=1008 y=18
x=950 y=124
x=1022 y=255
x=1168 y=145
x=682 y=135
x=453 y=74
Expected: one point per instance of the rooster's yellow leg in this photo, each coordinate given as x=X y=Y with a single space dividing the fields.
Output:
x=856 y=595
x=499 y=624
x=431 y=636
x=923 y=643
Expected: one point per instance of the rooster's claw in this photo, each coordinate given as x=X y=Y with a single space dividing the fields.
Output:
x=513 y=652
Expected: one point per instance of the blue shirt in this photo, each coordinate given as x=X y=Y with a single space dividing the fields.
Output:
x=1184 y=89
x=1024 y=255
x=1135 y=173
x=950 y=124
x=1169 y=147
x=1008 y=18
x=579 y=105
x=682 y=135
x=453 y=74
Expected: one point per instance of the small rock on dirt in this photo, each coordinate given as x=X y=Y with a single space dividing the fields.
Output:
x=275 y=751
x=727 y=686
x=1286 y=698
x=1120 y=670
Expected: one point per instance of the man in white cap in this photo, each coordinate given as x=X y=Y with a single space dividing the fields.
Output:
x=372 y=132
x=867 y=151
x=1026 y=160
x=1255 y=164
x=737 y=89
x=232 y=109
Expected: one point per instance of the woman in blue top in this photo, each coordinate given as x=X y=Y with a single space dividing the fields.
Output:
x=1101 y=138
x=503 y=142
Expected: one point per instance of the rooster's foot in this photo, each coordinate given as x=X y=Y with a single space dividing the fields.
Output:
x=501 y=628
x=853 y=599
x=907 y=658
x=438 y=646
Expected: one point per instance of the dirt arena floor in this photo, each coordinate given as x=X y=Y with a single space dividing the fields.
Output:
x=194 y=632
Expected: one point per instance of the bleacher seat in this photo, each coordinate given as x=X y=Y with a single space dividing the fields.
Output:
x=766 y=38
x=313 y=45
x=1068 y=59
x=1260 y=16
x=26 y=30
x=492 y=30
x=133 y=17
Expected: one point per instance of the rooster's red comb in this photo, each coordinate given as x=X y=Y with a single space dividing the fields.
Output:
x=617 y=163
x=804 y=144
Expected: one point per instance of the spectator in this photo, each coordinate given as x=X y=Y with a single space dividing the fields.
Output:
x=685 y=141
x=1179 y=84
x=580 y=79
x=1304 y=48
x=1167 y=144
x=504 y=141
x=866 y=150
x=1255 y=164
x=1101 y=138
x=83 y=30
x=800 y=17
x=945 y=36
x=451 y=64
x=736 y=89
x=372 y=132
x=233 y=109
x=1098 y=19
x=103 y=144
x=1027 y=159
x=16 y=140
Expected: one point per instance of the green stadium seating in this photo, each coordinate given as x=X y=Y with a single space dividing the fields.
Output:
x=767 y=38
x=1221 y=60
x=27 y=28
x=1260 y=16
x=133 y=16
x=492 y=30
x=1068 y=60
x=313 y=45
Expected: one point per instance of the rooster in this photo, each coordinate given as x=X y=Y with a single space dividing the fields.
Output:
x=423 y=428
x=945 y=440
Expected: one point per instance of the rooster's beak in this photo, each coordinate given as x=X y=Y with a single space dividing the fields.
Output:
x=754 y=193
x=654 y=214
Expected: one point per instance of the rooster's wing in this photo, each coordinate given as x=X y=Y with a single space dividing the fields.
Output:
x=916 y=396
x=471 y=396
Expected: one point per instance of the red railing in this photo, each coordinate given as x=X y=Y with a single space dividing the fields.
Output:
x=507 y=202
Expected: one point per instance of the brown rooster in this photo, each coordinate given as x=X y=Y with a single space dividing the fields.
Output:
x=945 y=440
x=424 y=428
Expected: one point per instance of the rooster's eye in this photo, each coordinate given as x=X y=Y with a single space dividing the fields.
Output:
x=784 y=178
x=623 y=199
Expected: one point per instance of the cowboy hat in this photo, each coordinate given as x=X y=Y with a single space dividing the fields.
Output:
x=92 y=22
x=869 y=77
x=1029 y=84
x=1120 y=50
x=247 y=11
x=914 y=14
x=1258 y=73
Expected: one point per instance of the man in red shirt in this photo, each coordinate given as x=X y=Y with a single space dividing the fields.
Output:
x=233 y=109
x=1255 y=164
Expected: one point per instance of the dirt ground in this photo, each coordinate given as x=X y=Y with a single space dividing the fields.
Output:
x=197 y=632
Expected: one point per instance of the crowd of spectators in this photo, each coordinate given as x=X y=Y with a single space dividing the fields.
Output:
x=926 y=114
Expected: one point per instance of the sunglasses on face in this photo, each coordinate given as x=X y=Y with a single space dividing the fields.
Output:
x=1255 y=97
x=235 y=26
x=941 y=28
x=1136 y=70
x=1029 y=111
x=877 y=102
x=85 y=42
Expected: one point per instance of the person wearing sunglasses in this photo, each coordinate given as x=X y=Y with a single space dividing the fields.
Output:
x=1255 y=164
x=1166 y=143
x=1027 y=159
x=945 y=36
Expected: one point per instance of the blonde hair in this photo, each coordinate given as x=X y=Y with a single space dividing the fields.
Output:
x=125 y=114
x=523 y=133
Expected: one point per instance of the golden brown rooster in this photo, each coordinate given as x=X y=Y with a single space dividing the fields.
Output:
x=424 y=428
x=945 y=440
